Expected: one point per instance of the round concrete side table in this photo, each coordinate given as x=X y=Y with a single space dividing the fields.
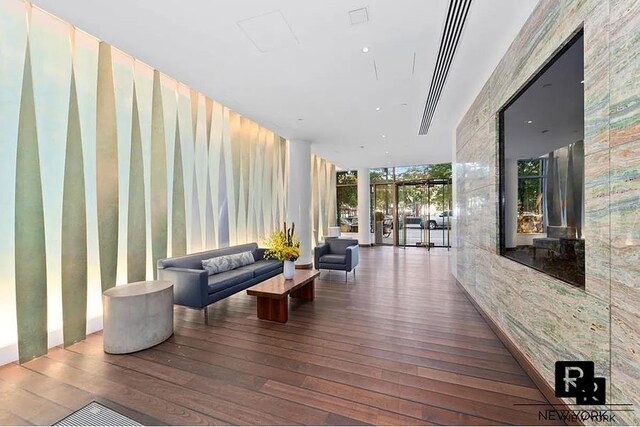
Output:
x=137 y=316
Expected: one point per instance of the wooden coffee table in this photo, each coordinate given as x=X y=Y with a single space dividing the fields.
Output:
x=273 y=303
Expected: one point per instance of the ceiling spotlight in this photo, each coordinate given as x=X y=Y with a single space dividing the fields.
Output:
x=384 y=136
x=386 y=152
x=529 y=121
x=377 y=108
x=365 y=49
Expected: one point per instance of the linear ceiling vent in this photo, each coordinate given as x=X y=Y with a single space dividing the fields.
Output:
x=456 y=17
x=359 y=16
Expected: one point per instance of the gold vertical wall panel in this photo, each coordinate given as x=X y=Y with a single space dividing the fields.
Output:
x=226 y=162
x=158 y=205
x=107 y=169
x=123 y=79
x=168 y=89
x=196 y=161
x=136 y=230
x=143 y=79
x=74 y=231
x=178 y=222
x=30 y=252
x=13 y=42
x=85 y=69
x=49 y=45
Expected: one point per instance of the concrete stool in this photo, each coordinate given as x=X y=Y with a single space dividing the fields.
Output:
x=137 y=316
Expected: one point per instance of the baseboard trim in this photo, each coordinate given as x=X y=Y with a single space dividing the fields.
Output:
x=304 y=266
x=547 y=391
x=365 y=245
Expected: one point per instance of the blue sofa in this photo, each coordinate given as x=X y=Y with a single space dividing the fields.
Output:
x=193 y=287
x=337 y=254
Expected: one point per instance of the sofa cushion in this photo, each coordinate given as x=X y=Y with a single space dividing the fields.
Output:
x=224 y=263
x=261 y=267
x=267 y=265
x=221 y=281
x=333 y=259
x=339 y=246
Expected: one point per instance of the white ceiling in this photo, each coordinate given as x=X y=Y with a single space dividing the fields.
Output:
x=302 y=59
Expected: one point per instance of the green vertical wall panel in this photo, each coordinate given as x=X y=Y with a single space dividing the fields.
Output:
x=107 y=169
x=158 y=177
x=30 y=262
x=178 y=225
x=74 y=231
x=136 y=230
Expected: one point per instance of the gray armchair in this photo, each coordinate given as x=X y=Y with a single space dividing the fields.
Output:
x=337 y=254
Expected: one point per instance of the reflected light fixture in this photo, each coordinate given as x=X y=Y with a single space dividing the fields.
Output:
x=529 y=121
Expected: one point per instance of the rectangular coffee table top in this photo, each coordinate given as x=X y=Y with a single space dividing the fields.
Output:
x=279 y=287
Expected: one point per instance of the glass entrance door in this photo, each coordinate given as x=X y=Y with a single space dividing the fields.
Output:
x=412 y=213
x=438 y=221
x=382 y=213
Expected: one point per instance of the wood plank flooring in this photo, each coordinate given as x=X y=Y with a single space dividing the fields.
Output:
x=400 y=344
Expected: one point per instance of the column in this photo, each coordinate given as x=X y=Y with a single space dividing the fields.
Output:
x=510 y=202
x=364 y=207
x=299 y=197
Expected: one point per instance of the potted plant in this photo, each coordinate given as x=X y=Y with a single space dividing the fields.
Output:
x=284 y=246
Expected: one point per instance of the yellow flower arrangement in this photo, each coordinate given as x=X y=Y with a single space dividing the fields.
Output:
x=283 y=245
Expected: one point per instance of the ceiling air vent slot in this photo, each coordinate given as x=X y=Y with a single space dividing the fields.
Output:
x=456 y=17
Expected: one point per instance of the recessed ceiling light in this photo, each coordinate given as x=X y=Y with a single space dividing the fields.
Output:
x=300 y=119
x=529 y=121
x=377 y=108
x=404 y=104
x=362 y=146
x=365 y=49
x=384 y=136
x=386 y=152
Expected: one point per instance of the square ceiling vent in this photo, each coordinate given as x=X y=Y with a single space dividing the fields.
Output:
x=359 y=16
x=268 y=32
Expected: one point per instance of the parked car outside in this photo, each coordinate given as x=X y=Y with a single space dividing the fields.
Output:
x=439 y=220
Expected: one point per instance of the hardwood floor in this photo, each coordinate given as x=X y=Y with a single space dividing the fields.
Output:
x=400 y=344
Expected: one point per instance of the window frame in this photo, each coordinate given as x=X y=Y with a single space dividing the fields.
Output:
x=501 y=241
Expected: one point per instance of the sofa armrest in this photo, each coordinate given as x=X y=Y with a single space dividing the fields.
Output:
x=318 y=251
x=258 y=254
x=190 y=286
x=353 y=257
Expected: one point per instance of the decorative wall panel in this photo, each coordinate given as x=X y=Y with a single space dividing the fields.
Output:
x=30 y=252
x=74 y=224
x=108 y=165
x=13 y=27
x=323 y=197
x=548 y=319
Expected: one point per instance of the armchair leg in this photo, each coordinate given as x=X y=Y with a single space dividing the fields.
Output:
x=345 y=276
x=206 y=315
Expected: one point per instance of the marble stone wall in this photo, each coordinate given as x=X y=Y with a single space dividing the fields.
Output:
x=548 y=319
